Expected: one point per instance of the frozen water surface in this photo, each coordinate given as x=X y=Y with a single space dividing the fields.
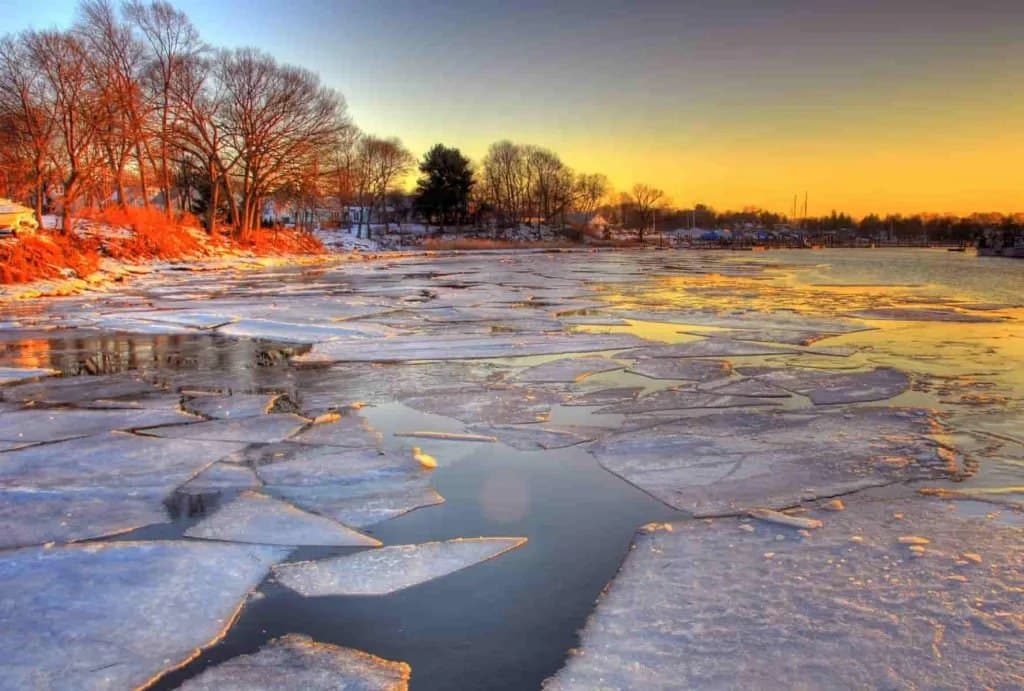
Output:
x=728 y=462
x=851 y=605
x=257 y=518
x=115 y=616
x=388 y=569
x=299 y=662
x=825 y=346
x=567 y=370
x=12 y=375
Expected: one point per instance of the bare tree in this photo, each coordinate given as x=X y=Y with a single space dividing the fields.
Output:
x=549 y=184
x=647 y=200
x=172 y=41
x=277 y=118
x=589 y=189
x=62 y=61
x=379 y=164
x=115 y=61
x=27 y=119
x=504 y=180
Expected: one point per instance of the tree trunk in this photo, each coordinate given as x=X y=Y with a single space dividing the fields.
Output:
x=142 y=176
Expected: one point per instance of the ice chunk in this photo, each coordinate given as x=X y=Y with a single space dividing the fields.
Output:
x=350 y=431
x=684 y=369
x=285 y=332
x=221 y=477
x=189 y=318
x=53 y=424
x=386 y=570
x=117 y=615
x=567 y=370
x=487 y=404
x=827 y=388
x=81 y=390
x=314 y=465
x=745 y=387
x=604 y=397
x=299 y=662
x=259 y=519
x=924 y=314
x=13 y=375
x=405 y=348
x=363 y=503
x=30 y=516
x=238 y=405
x=822 y=612
x=685 y=399
x=709 y=347
x=446 y=436
x=736 y=461
x=787 y=336
x=114 y=460
x=532 y=437
x=265 y=429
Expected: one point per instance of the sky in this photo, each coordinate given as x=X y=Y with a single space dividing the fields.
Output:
x=897 y=106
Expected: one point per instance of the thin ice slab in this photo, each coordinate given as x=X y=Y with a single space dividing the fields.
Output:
x=299 y=662
x=259 y=519
x=407 y=348
x=389 y=569
x=13 y=375
x=924 y=314
x=54 y=424
x=684 y=369
x=487 y=404
x=734 y=461
x=264 y=429
x=686 y=399
x=829 y=388
x=288 y=332
x=117 y=615
x=859 y=604
x=603 y=397
x=567 y=370
x=709 y=347
x=362 y=504
x=533 y=438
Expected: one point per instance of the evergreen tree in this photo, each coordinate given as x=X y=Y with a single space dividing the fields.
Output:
x=442 y=192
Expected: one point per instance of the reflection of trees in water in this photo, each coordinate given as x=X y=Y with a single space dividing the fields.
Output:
x=115 y=353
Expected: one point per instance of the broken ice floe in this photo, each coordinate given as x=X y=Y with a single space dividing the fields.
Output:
x=684 y=369
x=603 y=397
x=709 y=347
x=533 y=438
x=732 y=461
x=13 y=375
x=287 y=332
x=298 y=662
x=408 y=348
x=117 y=615
x=567 y=370
x=754 y=388
x=487 y=404
x=259 y=519
x=687 y=399
x=238 y=405
x=264 y=429
x=357 y=487
x=96 y=486
x=351 y=431
x=388 y=569
x=855 y=606
x=53 y=424
x=923 y=314
x=829 y=388
x=81 y=391
x=221 y=477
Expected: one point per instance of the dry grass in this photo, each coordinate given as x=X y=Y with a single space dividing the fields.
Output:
x=36 y=256
x=135 y=235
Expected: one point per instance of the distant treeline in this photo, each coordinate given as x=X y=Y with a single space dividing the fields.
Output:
x=129 y=107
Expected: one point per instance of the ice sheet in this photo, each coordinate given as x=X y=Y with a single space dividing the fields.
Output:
x=406 y=348
x=264 y=429
x=534 y=438
x=685 y=369
x=567 y=370
x=299 y=662
x=848 y=607
x=386 y=570
x=828 y=388
x=13 y=375
x=498 y=404
x=53 y=424
x=732 y=461
x=114 y=616
x=709 y=347
x=259 y=519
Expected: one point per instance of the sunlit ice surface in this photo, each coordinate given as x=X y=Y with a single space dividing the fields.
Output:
x=566 y=399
